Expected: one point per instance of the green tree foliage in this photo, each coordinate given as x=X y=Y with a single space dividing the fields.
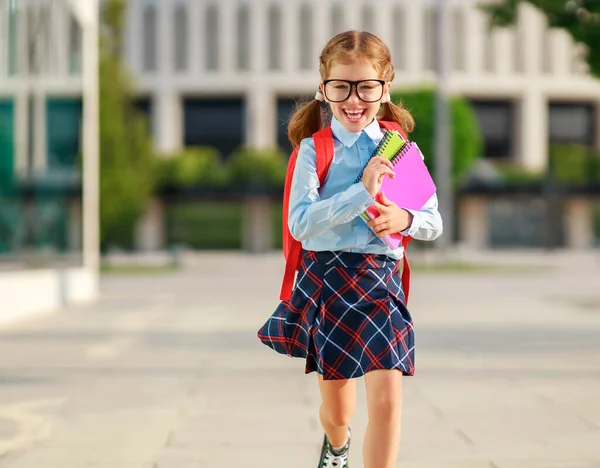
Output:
x=581 y=18
x=467 y=142
x=126 y=153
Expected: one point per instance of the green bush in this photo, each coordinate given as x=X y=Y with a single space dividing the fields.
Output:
x=467 y=141
x=516 y=175
x=193 y=166
x=574 y=165
x=253 y=168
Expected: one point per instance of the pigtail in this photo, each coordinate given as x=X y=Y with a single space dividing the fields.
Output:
x=305 y=121
x=397 y=113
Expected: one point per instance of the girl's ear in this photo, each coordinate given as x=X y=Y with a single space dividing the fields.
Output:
x=386 y=87
x=322 y=89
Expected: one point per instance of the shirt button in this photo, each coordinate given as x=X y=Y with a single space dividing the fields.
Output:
x=363 y=147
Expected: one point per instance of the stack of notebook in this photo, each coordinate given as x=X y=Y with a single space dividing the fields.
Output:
x=411 y=188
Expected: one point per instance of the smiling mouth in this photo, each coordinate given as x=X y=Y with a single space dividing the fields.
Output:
x=354 y=115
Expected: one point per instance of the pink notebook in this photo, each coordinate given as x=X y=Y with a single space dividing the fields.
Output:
x=411 y=188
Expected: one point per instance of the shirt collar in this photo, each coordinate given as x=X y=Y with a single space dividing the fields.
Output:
x=348 y=139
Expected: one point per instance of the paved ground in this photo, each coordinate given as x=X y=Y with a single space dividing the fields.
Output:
x=166 y=372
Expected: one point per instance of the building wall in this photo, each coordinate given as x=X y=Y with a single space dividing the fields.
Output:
x=264 y=52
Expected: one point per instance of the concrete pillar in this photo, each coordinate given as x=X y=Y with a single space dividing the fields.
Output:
x=260 y=117
x=61 y=27
x=133 y=35
x=559 y=52
x=475 y=32
x=291 y=37
x=88 y=17
x=414 y=46
x=21 y=142
x=533 y=130
x=259 y=45
x=579 y=223
x=40 y=141
x=473 y=229
x=530 y=38
x=227 y=35
x=258 y=231
x=75 y=226
x=164 y=33
x=352 y=14
x=383 y=17
x=503 y=51
x=167 y=121
x=4 y=33
x=150 y=231
x=197 y=21
x=321 y=27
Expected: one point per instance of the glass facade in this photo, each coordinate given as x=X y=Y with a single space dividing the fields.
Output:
x=214 y=122
x=496 y=121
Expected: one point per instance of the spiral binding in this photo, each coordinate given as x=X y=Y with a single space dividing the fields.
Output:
x=400 y=154
x=380 y=149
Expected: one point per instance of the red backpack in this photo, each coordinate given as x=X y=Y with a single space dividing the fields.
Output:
x=292 y=249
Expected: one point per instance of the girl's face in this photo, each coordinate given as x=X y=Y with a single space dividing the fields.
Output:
x=353 y=113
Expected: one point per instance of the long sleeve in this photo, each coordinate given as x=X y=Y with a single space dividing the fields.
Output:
x=427 y=222
x=309 y=215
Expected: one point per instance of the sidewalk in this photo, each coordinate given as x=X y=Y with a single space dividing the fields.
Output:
x=166 y=371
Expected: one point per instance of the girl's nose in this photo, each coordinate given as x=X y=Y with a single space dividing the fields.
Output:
x=353 y=95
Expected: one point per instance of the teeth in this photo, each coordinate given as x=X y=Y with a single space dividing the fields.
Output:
x=354 y=114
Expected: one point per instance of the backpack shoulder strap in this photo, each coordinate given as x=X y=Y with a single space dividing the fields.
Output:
x=287 y=239
x=390 y=125
x=323 y=140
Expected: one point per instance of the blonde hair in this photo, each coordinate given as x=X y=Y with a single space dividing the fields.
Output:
x=349 y=47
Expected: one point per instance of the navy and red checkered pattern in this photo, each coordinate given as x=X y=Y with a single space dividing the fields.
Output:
x=346 y=316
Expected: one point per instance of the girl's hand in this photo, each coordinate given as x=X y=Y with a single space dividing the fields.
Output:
x=392 y=219
x=374 y=173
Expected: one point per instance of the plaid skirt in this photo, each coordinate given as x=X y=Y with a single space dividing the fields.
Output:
x=346 y=316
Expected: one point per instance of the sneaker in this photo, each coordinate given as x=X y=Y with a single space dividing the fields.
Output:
x=331 y=459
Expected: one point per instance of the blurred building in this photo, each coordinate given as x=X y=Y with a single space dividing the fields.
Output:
x=48 y=154
x=228 y=71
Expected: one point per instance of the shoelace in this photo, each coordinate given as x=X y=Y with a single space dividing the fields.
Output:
x=334 y=461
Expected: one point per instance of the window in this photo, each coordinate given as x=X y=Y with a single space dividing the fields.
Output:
x=399 y=45
x=275 y=37
x=459 y=38
x=496 y=122
x=214 y=122
x=285 y=108
x=307 y=60
x=6 y=141
x=149 y=38
x=75 y=46
x=180 y=35
x=63 y=132
x=429 y=38
x=337 y=18
x=243 y=36
x=211 y=38
x=13 y=49
x=572 y=123
x=143 y=105
x=368 y=16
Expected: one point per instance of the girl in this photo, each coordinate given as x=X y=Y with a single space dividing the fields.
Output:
x=347 y=315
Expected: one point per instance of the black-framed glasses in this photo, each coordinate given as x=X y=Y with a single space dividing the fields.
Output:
x=366 y=90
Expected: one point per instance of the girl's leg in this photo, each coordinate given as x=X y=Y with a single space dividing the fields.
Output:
x=384 y=405
x=337 y=407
